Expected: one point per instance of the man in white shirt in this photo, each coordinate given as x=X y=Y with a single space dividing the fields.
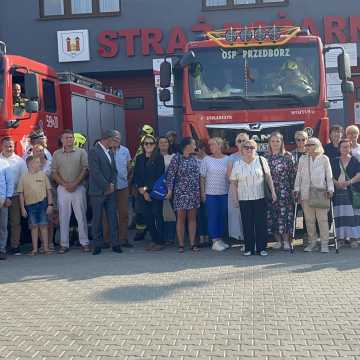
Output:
x=17 y=167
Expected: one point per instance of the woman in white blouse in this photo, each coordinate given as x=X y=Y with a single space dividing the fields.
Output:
x=249 y=175
x=314 y=170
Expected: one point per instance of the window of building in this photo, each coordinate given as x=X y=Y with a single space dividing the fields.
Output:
x=233 y=4
x=49 y=96
x=134 y=103
x=78 y=8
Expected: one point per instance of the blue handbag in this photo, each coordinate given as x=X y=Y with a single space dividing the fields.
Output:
x=159 y=190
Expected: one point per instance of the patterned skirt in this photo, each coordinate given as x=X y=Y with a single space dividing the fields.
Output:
x=347 y=219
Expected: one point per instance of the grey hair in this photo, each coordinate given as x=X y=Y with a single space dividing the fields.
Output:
x=106 y=134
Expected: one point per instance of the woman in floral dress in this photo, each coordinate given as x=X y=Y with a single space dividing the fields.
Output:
x=280 y=215
x=183 y=183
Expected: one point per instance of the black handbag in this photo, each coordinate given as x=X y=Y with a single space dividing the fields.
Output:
x=267 y=191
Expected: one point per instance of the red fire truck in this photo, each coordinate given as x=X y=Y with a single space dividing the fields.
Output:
x=54 y=102
x=256 y=80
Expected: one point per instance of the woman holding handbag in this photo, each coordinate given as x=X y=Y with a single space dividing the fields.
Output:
x=346 y=170
x=314 y=188
x=252 y=178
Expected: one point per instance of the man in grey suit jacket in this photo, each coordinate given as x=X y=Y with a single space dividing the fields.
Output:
x=102 y=184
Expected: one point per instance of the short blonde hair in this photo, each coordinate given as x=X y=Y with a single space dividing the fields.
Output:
x=249 y=142
x=219 y=141
x=318 y=146
x=352 y=128
x=301 y=132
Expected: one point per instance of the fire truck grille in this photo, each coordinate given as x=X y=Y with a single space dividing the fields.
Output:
x=260 y=132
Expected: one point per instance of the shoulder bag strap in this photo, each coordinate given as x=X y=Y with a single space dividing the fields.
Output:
x=263 y=170
x=309 y=170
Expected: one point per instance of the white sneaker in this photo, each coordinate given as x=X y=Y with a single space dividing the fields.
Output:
x=354 y=244
x=324 y=247
x=312 y=245
x=276 y=245
x=247 y=253
x=264 y=253
x=217 y=246
x=224 y=244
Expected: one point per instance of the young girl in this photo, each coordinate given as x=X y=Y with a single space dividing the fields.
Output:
x=36 y=202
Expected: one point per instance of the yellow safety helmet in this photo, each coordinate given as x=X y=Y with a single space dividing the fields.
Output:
x=80 y=140
x=148 y=130
x=290 y=65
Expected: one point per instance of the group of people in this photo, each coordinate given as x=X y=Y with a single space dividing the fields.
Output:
x=209 y=198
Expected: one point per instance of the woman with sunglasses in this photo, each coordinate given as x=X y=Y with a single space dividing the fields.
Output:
x=248 y=176
x=314 y=170
x=149 y=167
x=300 y=139
x=183 y=183
x=280 y=215
x=234 y=217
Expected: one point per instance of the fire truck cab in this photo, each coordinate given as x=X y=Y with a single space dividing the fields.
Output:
x=33 y=96
x=256 y=80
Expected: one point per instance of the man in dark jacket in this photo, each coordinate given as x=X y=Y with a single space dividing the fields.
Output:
x=102 y=184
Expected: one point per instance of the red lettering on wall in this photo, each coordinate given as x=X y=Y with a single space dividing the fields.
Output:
x=258 y=23
x=334 y=27
x=151 y=38
x=177 y=40
x=129 y=35
x=354 y=28
x=309 y=23
x=232 y=25
x=283 y=22
x=108 y=47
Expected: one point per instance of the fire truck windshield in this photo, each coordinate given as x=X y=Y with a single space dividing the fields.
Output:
x=255 y=78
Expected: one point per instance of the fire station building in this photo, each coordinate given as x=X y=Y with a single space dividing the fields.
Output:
x=116 y=41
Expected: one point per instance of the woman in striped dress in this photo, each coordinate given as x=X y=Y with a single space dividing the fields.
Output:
x=346 y=174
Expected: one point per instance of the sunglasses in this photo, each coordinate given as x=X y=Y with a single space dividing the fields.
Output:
x=249 y=148
x=302 y=140
x=149 y=143
x=310 y=144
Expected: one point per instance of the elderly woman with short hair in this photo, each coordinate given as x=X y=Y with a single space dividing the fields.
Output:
x=249 y=175
x=352 y=134
x=214 y=192
x=314 y=172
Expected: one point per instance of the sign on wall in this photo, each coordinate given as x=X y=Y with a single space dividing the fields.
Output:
x=73 y=45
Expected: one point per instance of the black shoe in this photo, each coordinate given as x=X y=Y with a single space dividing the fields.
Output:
x=15 y=251
x=127 y=245
x=117 y=249
x=105 y=246
x=139 y=236
x=96 y=251
x=2 y=256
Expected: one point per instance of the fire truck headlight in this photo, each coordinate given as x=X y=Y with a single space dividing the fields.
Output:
x=260 y=34
x=246 y=35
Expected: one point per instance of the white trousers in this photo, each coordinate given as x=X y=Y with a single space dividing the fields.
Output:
x=77 y=201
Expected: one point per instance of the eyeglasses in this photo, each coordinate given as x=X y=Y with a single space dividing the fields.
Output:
x=249 y=148
x=149 y=143
x=310 y=144
x=302 y=140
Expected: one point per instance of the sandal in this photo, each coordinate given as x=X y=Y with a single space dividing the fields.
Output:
x=181 y=249
x=63 y=250
x=195 y=248
x=32 y=253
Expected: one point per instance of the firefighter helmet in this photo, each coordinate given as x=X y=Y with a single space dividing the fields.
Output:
x=148 y=130
x=290 y=65
x=80 y=140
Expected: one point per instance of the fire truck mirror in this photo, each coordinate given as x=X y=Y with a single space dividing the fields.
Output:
x=31 y=86
x=164 y=95
x=347 y=87
x=165 y=74
x=344 y=67
x=187 y=59
x=32 y=106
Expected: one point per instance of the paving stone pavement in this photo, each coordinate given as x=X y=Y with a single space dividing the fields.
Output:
x=165 y=305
